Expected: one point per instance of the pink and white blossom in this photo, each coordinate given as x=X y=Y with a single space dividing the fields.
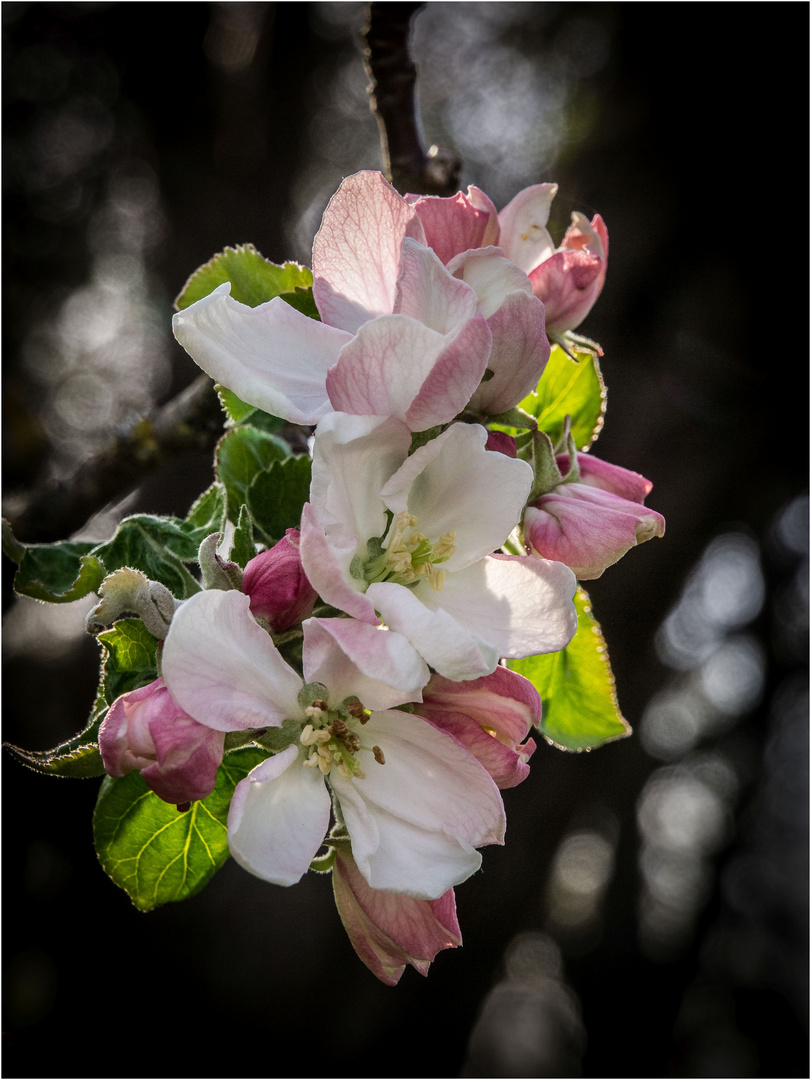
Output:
x=415 y=802
x=568 y=278
x=147 y=731
x=408 y=540
x=491 y=716
x=400 y=333
x=389 y=930
x=590 y=524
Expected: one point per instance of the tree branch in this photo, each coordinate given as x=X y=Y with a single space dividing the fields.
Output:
x=392 y=90
x=191 y=421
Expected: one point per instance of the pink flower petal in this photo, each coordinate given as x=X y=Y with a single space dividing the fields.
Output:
x=456 y=223
x=426 y=291
x=518 y=355
x=222 y=667
x=356 y=252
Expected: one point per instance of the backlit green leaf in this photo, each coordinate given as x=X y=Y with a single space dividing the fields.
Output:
x=158 y=546
x=58 y=573
x=254 y=279
x=76 y=757
x=580 y=708
x=567 y=388
x=129 y=658
x=154 y=852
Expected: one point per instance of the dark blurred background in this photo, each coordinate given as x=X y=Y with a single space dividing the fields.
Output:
x=647 y=916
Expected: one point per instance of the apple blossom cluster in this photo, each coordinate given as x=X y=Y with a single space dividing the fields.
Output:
x=365 y=667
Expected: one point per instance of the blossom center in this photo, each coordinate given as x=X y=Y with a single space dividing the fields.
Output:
x=409 y=555
x=333 y=743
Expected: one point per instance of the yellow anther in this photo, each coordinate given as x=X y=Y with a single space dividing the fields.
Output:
x=314 y=711
x=307 y=736
x=311 y=761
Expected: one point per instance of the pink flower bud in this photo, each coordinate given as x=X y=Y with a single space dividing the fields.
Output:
x=389 y=930
x=491 y=717
x=277 y=585
x=502 y=443
x=571 y=279
x=590 y=524
x=147 y=730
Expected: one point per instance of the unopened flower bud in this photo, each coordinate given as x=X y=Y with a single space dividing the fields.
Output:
x=277 y=585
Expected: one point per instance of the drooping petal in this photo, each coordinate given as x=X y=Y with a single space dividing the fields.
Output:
x=278 y=818
x=428 y=292
x=456 y=223
x=522 y=226
x=353 y=658
x=518 y=355
x=454 y=483
x=568 y=282
x=520 y=605
x=614 y=478
x=397 y=367
x=271 y=356
x=223 y=669
x=388 y=930
x=356 y=252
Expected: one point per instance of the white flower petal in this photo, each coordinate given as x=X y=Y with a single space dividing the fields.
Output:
x=271 y=356
x=522 y=224
x=223 y=669
x=278 y=818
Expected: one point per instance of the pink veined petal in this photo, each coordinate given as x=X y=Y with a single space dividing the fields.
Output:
x=397 y=367
x=356 y=252
x=456 y=223
x=426 y=291
x=327 y=561
x=271 y=356
x=353 y=658
x=518 y=604
x=451 y=647
x=190 y=773
x=518 y=356
x=522 y=226
x=223 y=669
x=388 y=930
x=454 y=483
x=568 y=282
x=278 y=818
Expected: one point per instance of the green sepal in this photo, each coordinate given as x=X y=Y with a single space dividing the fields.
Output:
x=254 y=279
x=576 y=685
x=241 y=455
x=156 y=853
x=277 y=739
x=277 y=496
x=569 y=389
x=77 y=757
x=243 y=547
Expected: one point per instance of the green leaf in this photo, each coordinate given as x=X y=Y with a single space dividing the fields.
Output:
x=580 y=708
x=207 y=515
x=254 y=279
x=158 y=546
x=276 y=497
x=76 y=757
x=58 y=573
x=241 y=454
x=243 y=548
x=302 y=300
x=129 y=658
x=567 y=388
x=154 y=852
x=234 y=407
